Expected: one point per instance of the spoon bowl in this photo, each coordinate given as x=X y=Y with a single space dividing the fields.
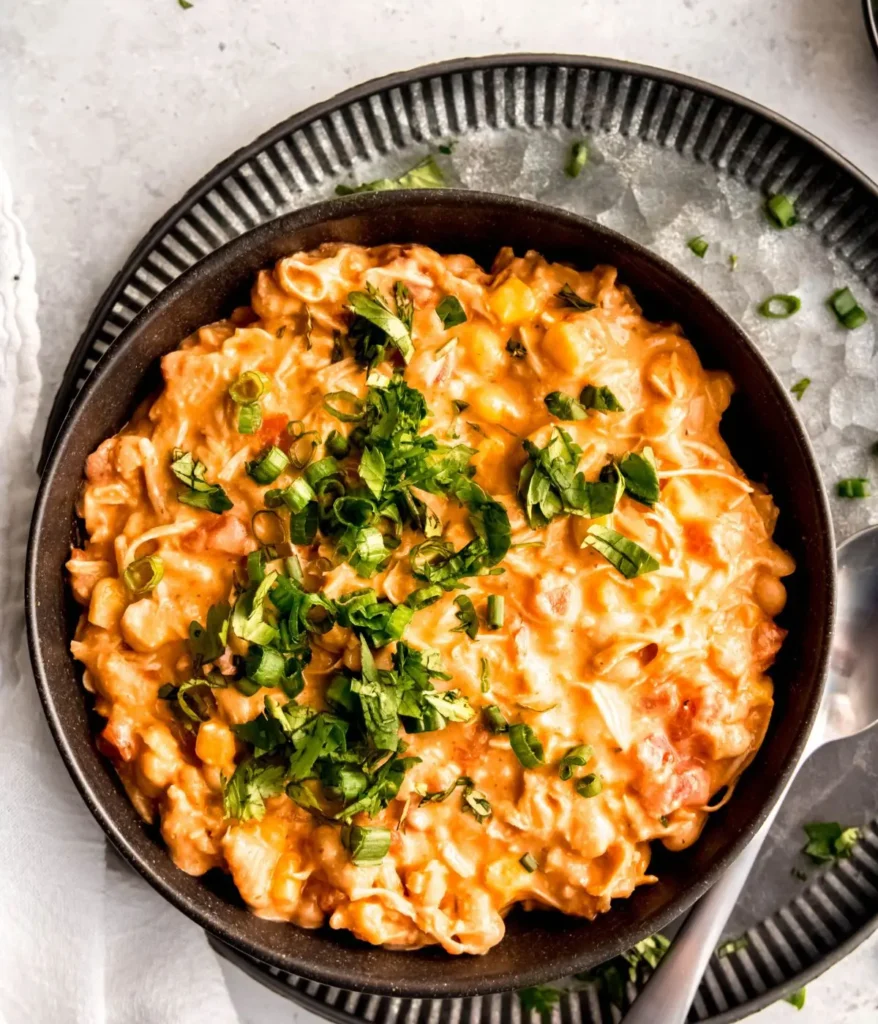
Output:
x=849 y=706
x=850 y=700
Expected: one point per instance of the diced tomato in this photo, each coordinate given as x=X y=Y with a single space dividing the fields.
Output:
x=273 y=431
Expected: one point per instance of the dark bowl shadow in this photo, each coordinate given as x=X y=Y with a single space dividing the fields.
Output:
x=761 y=428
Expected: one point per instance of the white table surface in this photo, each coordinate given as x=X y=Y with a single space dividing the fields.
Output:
x=110 y=110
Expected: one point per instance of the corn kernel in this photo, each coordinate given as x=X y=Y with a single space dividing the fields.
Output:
x=513 y=301
x=495 y=404
x=108 y=600
x=215 y=743
x=568 y=344
x=484 y=345
x=285 y=887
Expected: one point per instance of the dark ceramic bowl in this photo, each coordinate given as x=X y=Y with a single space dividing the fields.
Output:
x=761 y=428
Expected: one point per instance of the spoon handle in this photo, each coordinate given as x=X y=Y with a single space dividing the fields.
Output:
x=668 y=994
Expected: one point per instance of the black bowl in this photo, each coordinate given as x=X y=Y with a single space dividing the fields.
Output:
x=761 y=428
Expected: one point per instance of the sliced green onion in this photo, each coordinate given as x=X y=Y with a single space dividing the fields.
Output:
x=344 y=406
x=321 y=470
x=853 y=487
x=459 y=406
x=296 y=496
x=248 y=388
x=494 y=719
x=424 y=596
x=267 y=528
x=366 y=845
x=496 y=610
x=850 y=314
x=589 y=785
x=528 y=862
x=484 y=676
x=246 y=686
x=576 y=757
x=525 y=745
x=268 y=466
x=303 y=525
x=781 y=211
x=779 y=307
x=144 y=574
x=337 y=445
x=264 y=665
x=733 y=262
x=256 y=566
x=466 y=614
x=698 y=246
x=302 y=449
x=293 y=568
x=577 y=160
x=249 y=418
x=476 y=803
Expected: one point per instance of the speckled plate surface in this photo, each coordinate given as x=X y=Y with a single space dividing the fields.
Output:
x=669 y=158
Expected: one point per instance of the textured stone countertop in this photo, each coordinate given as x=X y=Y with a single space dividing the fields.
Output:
x=109 y=112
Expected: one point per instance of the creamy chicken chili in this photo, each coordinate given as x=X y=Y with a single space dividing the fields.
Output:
x=420 y=591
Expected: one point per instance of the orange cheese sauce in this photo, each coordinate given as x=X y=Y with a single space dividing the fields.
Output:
x=663 y=675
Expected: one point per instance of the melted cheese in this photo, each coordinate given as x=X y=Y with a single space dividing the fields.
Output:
x=663 y=675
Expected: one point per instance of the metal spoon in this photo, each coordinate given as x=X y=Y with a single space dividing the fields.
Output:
x=849 y=706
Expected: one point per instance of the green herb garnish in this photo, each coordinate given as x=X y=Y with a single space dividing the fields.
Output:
x=828 y=841
x=466 y=615
x=781 y=212
x=846 y=308
x=853 y=487
x=576 y=757
x=199 y=493
x=576 y=160
x=268 y=465
x=549 y=484
x=732 y=946
x=525 y=745
x=143 y=575
x=376 y=326
x=628 y=557
x=639 y=472
x=565 y=407
x=589 y=785
x=800 y=387
x=528 y=862
x=425 y=174
x=451 y=312
x=779 y=307
x=496 y=610
x=366 y=845
x=569 y=298
x=796 y=998
x=540 y=999
x=494 y=719
x=601 y=399
x=698 y=246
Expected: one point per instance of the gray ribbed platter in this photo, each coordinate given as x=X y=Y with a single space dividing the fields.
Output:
x=669 y=158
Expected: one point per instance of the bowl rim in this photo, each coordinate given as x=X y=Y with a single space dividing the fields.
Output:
x=397 y=79
x=198 y=911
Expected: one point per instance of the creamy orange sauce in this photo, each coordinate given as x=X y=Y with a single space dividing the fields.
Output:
x=664 y=675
